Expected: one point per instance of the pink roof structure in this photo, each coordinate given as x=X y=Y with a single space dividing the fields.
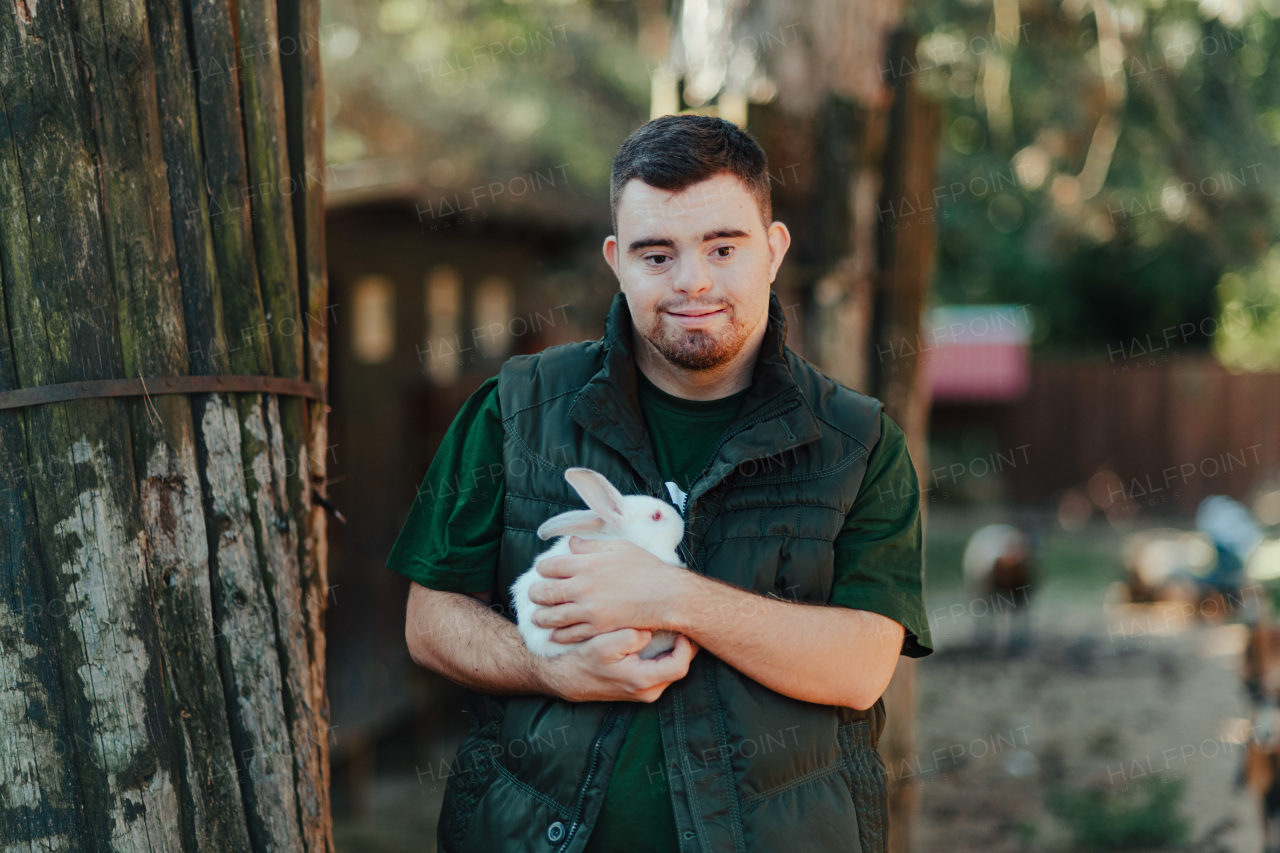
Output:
x=977 y=353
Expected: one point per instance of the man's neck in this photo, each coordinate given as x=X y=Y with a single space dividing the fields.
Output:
x=711 y=384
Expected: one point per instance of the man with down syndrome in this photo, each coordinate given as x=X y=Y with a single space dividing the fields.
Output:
x=757 y=732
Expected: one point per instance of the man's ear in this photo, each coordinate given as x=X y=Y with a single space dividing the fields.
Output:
x=610 y=249
x=779 y=242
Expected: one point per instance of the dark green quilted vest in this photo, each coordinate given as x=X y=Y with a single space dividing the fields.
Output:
x=749 y=768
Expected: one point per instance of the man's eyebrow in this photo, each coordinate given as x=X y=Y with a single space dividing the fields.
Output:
x=724 y=232
x=647 y=242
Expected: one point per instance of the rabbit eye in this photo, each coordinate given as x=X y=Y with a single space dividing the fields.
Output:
x=657 y=516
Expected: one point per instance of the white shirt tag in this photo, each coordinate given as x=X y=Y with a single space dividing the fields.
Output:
x=677 y=495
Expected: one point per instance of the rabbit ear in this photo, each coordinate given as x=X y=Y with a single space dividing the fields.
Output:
x=573 y=521
x=597 y=492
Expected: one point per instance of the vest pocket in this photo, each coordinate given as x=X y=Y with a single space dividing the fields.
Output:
x=868 y=785
x=512 y=815
x=813 y=813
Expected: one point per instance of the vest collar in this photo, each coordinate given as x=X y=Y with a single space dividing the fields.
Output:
x=775 y=417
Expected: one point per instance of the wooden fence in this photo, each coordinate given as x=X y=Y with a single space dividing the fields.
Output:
x=1171 y=430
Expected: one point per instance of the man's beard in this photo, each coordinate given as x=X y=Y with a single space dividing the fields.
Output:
x=697 y=349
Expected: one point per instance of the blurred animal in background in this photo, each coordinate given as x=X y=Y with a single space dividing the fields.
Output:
x=1262 y=777
x=1261 y=769
x=999 y=575
x=1164 y=564
x=1261 y=670
x=1204 y=568
x=1231 y=580
x=1219 y=571
x=1235 y=535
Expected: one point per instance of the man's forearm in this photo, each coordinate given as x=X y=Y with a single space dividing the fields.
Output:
x=459 y=637
x=826 y=655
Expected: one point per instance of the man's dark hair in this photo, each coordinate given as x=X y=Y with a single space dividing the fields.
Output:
x=675 y=152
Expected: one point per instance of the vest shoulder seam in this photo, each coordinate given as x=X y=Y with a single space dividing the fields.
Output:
x=519 y=442
x=542 y=402
x=842 y=395
x=576 y=355
x=845 y=433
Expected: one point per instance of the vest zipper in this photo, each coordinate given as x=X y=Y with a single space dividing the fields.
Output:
x=791 y=404
x=607 y=726
x=612 y=716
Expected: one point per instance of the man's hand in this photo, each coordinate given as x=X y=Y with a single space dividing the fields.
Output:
x=458 y=636
x=603 y=586
x=607 y=667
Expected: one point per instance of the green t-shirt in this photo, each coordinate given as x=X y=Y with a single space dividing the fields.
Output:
x=637 y=816
x=451 y=538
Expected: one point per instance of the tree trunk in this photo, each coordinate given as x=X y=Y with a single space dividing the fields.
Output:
x=905 y=253
x=870 y=273
x=162 y=565
x=867 y=274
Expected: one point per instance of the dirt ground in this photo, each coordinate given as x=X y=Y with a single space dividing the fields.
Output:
x=1119 y=699
x=1100 y=709
x=1108 y=697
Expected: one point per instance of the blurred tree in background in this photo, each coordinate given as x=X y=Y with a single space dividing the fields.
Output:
x=1107 y=163
x=478 y=89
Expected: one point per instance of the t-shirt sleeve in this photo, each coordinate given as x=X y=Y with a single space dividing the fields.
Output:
x=451 y=538
x=879 y=554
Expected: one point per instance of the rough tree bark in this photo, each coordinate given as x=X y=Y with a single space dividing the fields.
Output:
x=872 y=143
x=905 y=253
x=162 y=564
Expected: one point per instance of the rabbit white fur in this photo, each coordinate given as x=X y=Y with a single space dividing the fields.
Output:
x=653 y=524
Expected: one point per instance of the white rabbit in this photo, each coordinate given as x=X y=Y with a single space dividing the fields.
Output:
x=652 y=524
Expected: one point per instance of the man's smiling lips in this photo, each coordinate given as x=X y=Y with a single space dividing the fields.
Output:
x=697 y=315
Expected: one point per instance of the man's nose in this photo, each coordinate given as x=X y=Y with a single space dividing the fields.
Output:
x=693 y=277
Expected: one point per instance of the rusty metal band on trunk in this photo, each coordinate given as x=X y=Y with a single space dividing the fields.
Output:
x=140 y=387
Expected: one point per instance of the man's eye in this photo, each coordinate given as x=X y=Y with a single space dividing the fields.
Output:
x=724 y=251
x=656 y=260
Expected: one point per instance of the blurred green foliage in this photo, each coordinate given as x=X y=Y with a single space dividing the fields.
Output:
x=1112 y=164
x=480 y=89
x=1108 y=176
x=1249 y=307
x=1149 y=817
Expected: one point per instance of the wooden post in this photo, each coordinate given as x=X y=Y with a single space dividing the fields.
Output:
x=162 y=578
x=870 y=272
x=905 y=261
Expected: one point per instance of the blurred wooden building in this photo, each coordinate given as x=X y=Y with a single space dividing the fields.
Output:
x=427 y=301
